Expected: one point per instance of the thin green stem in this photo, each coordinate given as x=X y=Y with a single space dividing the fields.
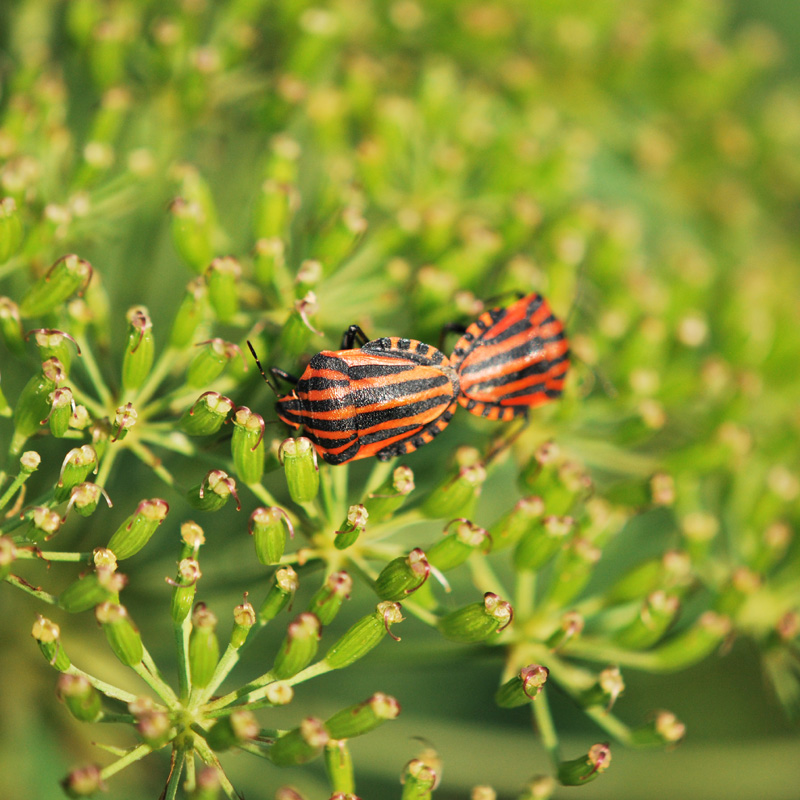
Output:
x=209 y=757
x=154 y=681
x=137 y=754
x=182 y=647
x=152 y=461
x=52 y=555
x=242 y=691
x=107 y=689
x=106 y=465
x=228 y=661
x=609 y=723
x=264 y=496
x=524 y=594
x=160 y=370
x=18 y=481
x=40 y=594
x=82 y=398
x=93 y=371
x=544 y=723
x=340 y=476
x=179 y=759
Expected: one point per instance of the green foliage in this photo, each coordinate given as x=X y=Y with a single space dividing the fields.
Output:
x=180 y=179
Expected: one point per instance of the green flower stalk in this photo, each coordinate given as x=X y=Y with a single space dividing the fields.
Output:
x=8 y=554
x=457 y=495
x=137 y=360
x=77 y=464
x=455 y=548
x=190 y=314
x=247 y=445
x=123 y=636
x=48 y=637
x=203 y=646
x=299 y=461
x=210 y=361
x=523 y=687
x=541 y=542
x=10 y=229
x=213 y=493
x=191 y=233
x=268 y=527
x=328 y=599
x=364 y=717
x=365 y=635
x=184 y=589
x=80 y=697
x=222 y=278
x=207 y=414
x=279 y=595
x=586 y=768
x=33 y=406
x=694 y=643
x=387 y=498
x=403 y=576
x=11 y=327
x=63 y=279
x=340 y=239
x=274 y=208
x=235 y=729
x=478 y=621
x=90 y=590
x=300 y=745
x=299 y=647
x=353 y=526
x=339 y=769
x=521 y=520
x=137 y=529
x=270 y=261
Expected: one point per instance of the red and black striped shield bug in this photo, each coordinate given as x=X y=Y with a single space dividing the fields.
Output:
x=384 y=399
x=511 y=359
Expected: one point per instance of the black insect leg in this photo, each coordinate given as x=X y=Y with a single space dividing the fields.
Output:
x=353 y=335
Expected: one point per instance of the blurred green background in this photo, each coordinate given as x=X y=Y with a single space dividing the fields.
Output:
x=643 y=157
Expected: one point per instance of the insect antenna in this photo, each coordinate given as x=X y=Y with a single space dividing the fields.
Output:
x=261 y=369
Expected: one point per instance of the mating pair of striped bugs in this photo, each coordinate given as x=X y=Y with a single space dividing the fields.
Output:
x=391 y=396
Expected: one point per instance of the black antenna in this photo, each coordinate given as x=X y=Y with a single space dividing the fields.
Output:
x=261 y=369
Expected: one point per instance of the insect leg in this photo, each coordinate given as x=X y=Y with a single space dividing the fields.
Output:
x=353 y=335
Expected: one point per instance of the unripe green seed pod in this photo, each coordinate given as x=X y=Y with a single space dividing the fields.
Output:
x=34 y=403
x=192 y=233
x=742 y=584
x=275 y=206
x=455 y=548
x=11 y=327
x=244 y=617
x=352 y=527
x=238 y=727
x=284 y=153
x=191 y=313
x=365 y=635
x=567 y=484
x=386 y=499
x=297 y=330
x=192 y=537
x=672 y=570
x=572 y=572
x=340 y=239
x=61 y=404
x=214 y=491
x=84 y=498
x=279 y=595
x=458 y=495
x=299 y=461
x=8 y=554
x=300 y=745
x=79 y=696
x=523 y=687
x=653 y=620
x=48 y=637
x=269 y=264
x=571 y=625
x=103 y=558
x=124 y=419
x=477 y=621
x=210 y=360
x=55 y=344
x=586 y=768
x=83 y=781
x=222 y=278
x=663 y=729
x=419 y=780
x=247 y=445
x=208 y=785
x=44 y=523
x=77 y=465
x=308 y=276
x=540 y=787
x=29 y=462
x=52 y=289
x=402 y=576
x=541 y=542
x=328 y=599
x=203 y=646
x=90 y=590
x=268 y=528
x=364 y=717
x=10 y=229
x=185 y=587
x=339 y=769
x=137 y=360
x=206 y=416
x=299 y=647
x=5 y=408
x=523 y=518
x=137 y=529
x=694 y=643
x=123 y=636
x=605 y=691
x=155 y=727
x=539 y=471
